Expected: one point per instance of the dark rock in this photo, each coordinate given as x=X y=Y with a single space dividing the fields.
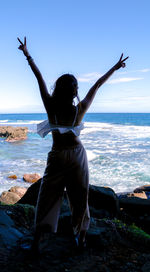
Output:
x=135 y=205
x=135 y=210
x=31 y=195
x=108 y=249
x=146 y=267
x=103 y=198
x=144 y=188
x=14 y=223
x=141 y=194
x=8 y=233
x=13 y=134
x=100 y=198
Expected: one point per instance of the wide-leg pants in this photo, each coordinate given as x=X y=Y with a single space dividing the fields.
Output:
x=67 y=168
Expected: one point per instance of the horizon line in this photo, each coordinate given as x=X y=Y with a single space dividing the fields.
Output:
x=46 y=113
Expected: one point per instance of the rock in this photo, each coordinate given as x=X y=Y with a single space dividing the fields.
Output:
x=20 y=191
x=31 y=195
x=7 y=238
x=13 y=134
x=135 y=205
x=15 y=222
x=111 y=245
x=9 y=198
x=103 y=198
x=13 y=195
x=12 y=177
x=135 y=210
x=144 y=188
x=146 y=267
x=31 y=178
x=140 y=195
x=100 y=198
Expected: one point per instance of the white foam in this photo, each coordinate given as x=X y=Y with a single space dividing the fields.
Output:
x=91 y=155
x=3 y=121
x=20 y=122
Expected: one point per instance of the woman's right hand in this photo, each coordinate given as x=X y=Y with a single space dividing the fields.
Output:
x=23 y=47
x=121 y=62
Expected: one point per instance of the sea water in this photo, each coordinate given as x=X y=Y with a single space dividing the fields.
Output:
x=117 y=145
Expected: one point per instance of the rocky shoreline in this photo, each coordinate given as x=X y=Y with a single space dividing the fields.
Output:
x=118 y=238
x=13 y=134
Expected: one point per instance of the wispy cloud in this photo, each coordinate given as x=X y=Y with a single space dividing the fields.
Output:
x=90 y=77
x=124 y=79
x=144 y=70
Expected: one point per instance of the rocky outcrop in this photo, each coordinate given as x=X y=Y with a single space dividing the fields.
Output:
x=102 y=200
x=111 y=245
x=13 y=134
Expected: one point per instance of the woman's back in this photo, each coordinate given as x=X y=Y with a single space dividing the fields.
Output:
x=64 y=116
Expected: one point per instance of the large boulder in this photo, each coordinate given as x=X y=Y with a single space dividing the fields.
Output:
x=9 y=197
x=13 y=134
x=135 y=210
x=135 y=205
x=20 y=191
x=15 y=222
x=13 y=195
x=103 y=198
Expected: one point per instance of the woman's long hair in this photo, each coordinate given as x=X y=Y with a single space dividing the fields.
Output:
x=65 y=90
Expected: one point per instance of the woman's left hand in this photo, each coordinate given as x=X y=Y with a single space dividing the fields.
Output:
x=120 y=63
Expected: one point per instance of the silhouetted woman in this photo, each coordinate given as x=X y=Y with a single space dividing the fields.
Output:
x=67 y=165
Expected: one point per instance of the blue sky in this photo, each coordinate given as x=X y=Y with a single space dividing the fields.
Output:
x=82 y=37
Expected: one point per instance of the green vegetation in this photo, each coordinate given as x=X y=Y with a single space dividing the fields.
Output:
x=133 y=230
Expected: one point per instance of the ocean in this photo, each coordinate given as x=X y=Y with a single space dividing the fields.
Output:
x=117 y=145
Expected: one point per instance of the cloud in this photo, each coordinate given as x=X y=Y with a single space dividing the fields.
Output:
x=90 y=77
x=124 y=79
x=93 y=76
x=144 y=70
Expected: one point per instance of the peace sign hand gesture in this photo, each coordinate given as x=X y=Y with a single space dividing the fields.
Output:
x=23 y=47
x=121 y=62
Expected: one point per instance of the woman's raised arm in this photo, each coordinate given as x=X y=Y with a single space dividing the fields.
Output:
x=86 y=102
x=43 y=88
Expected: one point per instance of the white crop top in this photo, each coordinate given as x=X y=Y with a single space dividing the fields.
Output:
x=45 y=127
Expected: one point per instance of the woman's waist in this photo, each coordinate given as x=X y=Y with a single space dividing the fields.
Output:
x=65 y=141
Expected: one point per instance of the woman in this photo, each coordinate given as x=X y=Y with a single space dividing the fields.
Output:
x=67 y=165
